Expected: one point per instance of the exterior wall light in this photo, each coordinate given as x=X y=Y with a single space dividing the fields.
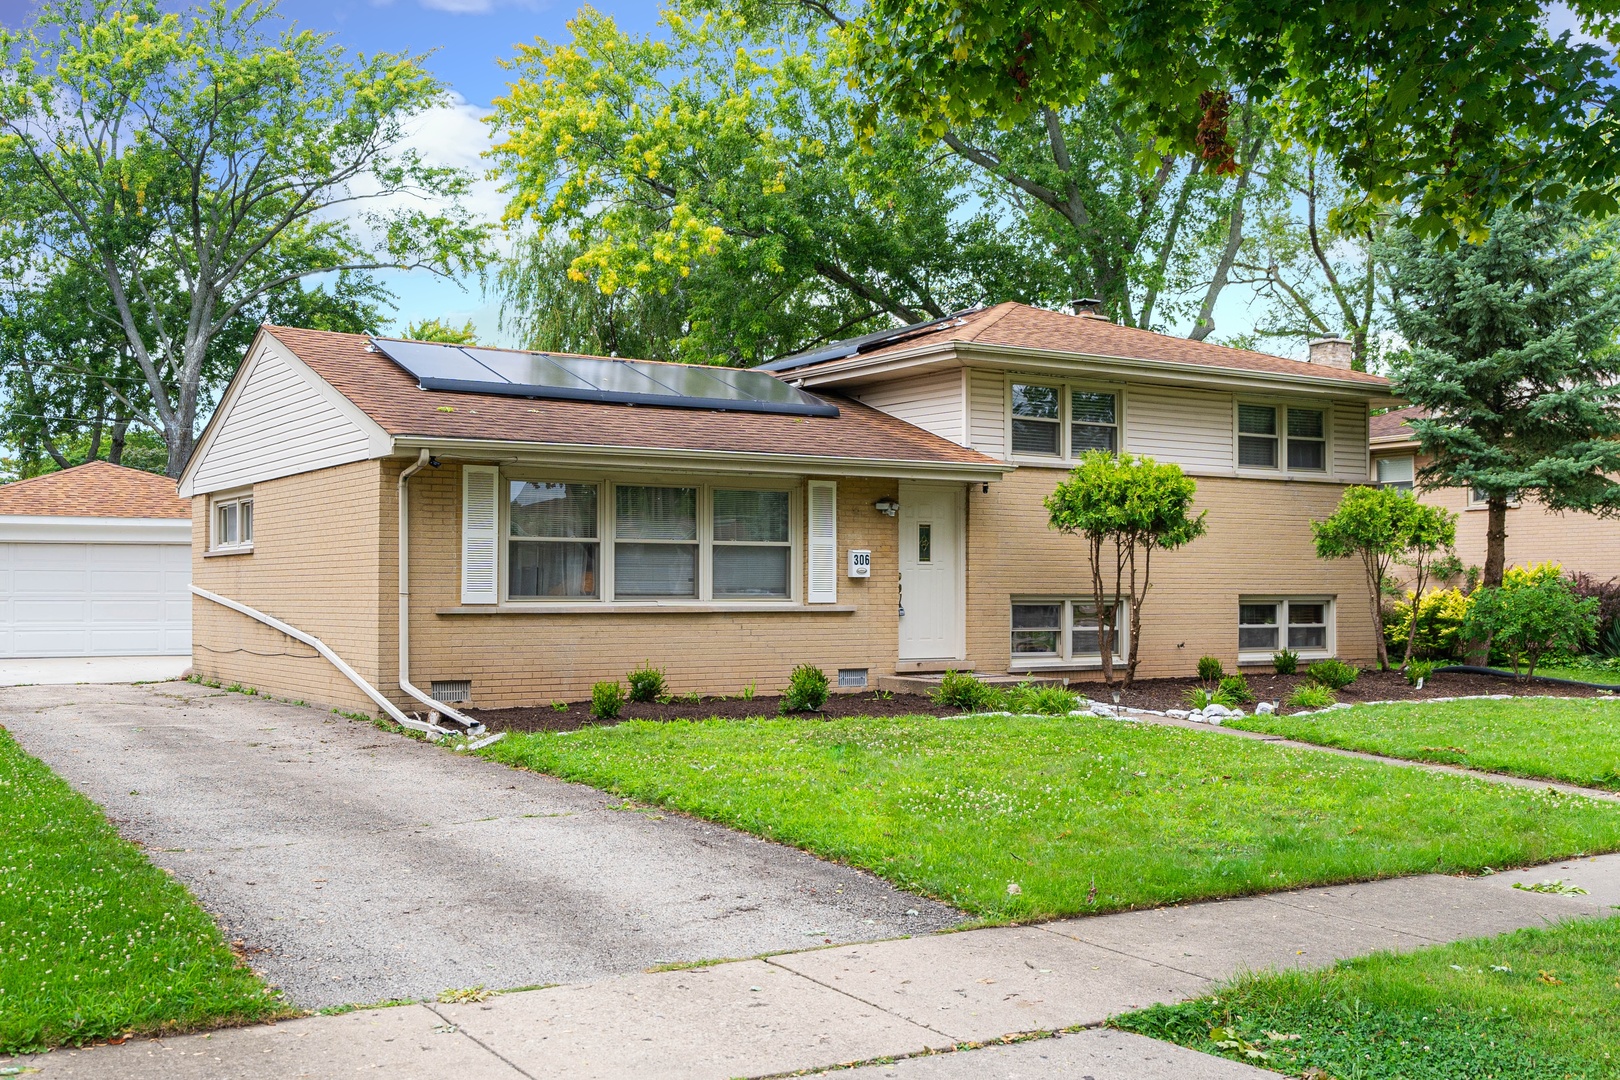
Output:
x=887 y=506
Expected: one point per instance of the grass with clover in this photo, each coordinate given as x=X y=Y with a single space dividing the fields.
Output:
x=1025 y=817
x=1533 y=1003
x=95 y=941
x=1573 y=740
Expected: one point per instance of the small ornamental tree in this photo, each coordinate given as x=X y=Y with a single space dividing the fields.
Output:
x=1125 y=508
x=1381 y=526
x=1526 y=621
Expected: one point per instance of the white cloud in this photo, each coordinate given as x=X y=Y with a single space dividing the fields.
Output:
x=1558 y=17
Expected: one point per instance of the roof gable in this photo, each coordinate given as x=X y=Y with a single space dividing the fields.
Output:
x=94 y=489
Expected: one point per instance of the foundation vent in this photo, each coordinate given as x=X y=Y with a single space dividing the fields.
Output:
x=454 y=690
x=852 y=676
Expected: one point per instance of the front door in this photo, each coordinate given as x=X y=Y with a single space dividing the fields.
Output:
x=930 y=572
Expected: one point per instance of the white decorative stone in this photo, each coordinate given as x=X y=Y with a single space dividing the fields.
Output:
x=1265 y=708
x=1215 y=711
x=1177 y=714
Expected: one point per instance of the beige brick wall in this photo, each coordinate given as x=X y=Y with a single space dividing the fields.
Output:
x=1259 y=543
x=527 y=658
x=1534 y=534
x=317 y=541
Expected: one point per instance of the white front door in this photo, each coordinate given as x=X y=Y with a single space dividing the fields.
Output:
x=931 y=572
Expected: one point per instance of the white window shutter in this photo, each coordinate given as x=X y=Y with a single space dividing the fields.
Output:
x=823 y=556
x=479 y=546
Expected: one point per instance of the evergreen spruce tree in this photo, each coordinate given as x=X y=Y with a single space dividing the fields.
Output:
x=1511 y=348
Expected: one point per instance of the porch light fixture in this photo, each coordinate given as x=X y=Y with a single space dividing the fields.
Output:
x=887 y=506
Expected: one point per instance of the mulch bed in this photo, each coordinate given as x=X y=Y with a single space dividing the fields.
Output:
x=1159 y=694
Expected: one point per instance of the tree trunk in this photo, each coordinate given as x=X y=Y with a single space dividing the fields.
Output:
x=178 y=440
x=1495 y=541
x=120 y=430
x=1375 y=590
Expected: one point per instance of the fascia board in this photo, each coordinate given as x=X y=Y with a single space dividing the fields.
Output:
x=43 y=529
x=686 y=461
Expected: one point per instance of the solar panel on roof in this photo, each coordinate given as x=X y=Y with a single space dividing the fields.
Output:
x=470 y=369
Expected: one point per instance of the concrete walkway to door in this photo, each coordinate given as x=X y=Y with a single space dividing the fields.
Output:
x=357 y=866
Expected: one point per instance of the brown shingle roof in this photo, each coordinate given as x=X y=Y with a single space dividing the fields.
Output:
x=391 y=397
x=94 y=489
x=1022 y=326
x=1392 y=424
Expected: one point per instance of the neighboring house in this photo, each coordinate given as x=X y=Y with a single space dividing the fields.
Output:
x=1534 y=534
x=94 y=561
x=873 y=507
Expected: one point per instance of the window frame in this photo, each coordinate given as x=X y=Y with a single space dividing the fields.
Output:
x=1280 y=407
x=1408 y=486
x=1065 y=657
x=238 y=501
x=1474 y=503
x=607 y=539
x=1066 y=388
x=1283 y=604
x=507 y=539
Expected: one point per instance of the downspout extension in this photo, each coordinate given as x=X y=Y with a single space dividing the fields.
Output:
x=471 y=726
x=331 y=657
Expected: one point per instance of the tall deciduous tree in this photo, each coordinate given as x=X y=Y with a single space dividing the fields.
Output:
x=715 y=172
x=201 y=162
x=1125 y=508
x=1512 y=352
x=1454 y=107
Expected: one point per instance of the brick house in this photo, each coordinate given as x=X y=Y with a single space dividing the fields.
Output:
x=873 y=507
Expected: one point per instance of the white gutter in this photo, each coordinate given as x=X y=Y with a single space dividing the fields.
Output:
x=473 y=726
x=336 y=661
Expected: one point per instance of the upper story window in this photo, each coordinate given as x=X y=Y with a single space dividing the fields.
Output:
x=1269 y=434
x=1037 y=420
x=1057 y=420
x=232 y=523
x=1395 y=472
x=653 y=542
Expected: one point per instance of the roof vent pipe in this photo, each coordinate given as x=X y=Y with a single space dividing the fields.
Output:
x=1088 y=308
x=1334 y=352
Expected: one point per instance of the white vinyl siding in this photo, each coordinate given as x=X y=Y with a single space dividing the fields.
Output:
x=932 y=402
x=278 y=424
x=1191 y=428
x=987 y=412
x=480 y=545
x=1349 y=440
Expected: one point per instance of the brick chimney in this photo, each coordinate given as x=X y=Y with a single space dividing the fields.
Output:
x=1333 y=352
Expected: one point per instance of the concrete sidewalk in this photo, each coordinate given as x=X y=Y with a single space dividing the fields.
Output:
x=915 y=998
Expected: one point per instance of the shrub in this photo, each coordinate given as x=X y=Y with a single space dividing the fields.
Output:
x=1197 y=697
x=646 y=683
x=1608 y=643
x=1517 y=577
x=1236 y=687
x=1607 y=594
x=806 y=689
x=1311 y=696
x=960 y=690
x=1041 y=700
x=1210 y=669
x=1419 y=671
x=1285 y=662
x=1530 y=619
x=1333 y=674
x=607 y=700
x=1440 y=616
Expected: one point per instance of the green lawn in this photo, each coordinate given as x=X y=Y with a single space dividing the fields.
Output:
x=94 y=940
x=1573 y=740
x=1554 y=671
x=1531 y=1004
x=1028 y=817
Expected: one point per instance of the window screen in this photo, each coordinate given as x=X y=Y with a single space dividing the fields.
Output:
x=1257 y=436
x=1037 y=424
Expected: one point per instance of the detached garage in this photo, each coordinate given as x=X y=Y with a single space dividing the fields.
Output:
x=94 y=561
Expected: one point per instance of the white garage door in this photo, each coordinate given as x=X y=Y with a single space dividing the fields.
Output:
x=67 y=599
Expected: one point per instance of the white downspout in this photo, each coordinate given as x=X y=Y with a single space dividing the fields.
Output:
x=333 y=658
x=473 y=726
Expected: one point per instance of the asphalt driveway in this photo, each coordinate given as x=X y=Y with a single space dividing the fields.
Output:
x=354 y=866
